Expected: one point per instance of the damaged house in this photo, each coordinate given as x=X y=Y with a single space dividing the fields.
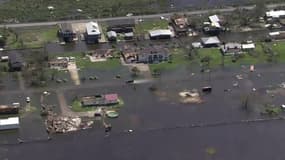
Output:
x=180 y=24
x=154 y=54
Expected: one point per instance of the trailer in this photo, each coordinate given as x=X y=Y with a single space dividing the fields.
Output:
x=9 y=123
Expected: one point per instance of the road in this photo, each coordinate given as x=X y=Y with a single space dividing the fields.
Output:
x=153 y=16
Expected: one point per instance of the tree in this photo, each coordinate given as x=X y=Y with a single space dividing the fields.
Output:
x=135 y=71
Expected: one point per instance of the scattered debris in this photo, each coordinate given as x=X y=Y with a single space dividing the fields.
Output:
x=191 y=96
x=235 y=84
x=282 y=85
x=61 y=124
x=239 y=77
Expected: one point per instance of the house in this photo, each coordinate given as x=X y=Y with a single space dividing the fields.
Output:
x=5 y=109
x=66 y=32
x=93 y=33
x=210 y=41
x=180 y=24
x=15 y=62
x=99 y=100
x=154 y=54
x=121 y=26
x=231 y=49
x=160 y=34
x=278 y=35
x=9 y=123
x=275 y=14
x=112 y=36
x=214 y=26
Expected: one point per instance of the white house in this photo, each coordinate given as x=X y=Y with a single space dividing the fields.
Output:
x=93 y=33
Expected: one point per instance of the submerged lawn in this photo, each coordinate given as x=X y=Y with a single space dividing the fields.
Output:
x=83 y=61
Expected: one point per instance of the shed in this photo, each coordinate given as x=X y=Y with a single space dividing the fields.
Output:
x=248 y=46
x=210 y=41
x=112 y=36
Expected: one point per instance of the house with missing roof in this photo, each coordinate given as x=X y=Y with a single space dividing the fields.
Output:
x=66 y=32
x=93 y=33
x=180 y=24
x=208 y=42
x=154 y=54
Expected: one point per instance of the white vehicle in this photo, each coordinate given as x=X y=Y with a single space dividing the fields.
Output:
x=140 y=20
x=129 y=14
x=28 y=99
x=1 y=49
x=62 y=43
x=161 y=17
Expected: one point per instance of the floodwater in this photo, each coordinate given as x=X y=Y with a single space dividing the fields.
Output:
x=158 y=120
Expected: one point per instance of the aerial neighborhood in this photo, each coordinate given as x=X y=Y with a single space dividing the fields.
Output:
x=144 y=73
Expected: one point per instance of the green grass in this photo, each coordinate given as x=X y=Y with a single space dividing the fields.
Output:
x=36 y=10
x=178 y=58
x=279 y=48
x=144 y=27
x=32 y=38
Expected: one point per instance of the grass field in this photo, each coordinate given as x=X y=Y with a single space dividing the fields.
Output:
x=144 y=27
x=36 y=10
x=31 y=38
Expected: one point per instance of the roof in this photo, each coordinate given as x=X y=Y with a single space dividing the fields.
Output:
x=160 y=32
x=111 y=97
x=214 y=19
x=92 y=28
x=129 y=34
x=248 y=46
x=9 y=121
x=66 y=27
x=275 y=14
x=111 y=34
x=210 y=40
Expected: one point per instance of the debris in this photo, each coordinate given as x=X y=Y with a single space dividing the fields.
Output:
x=235 y=84
x=62 y=124
x=251 y=68
x=282 y=85
x=191 y=96
x=239 y=77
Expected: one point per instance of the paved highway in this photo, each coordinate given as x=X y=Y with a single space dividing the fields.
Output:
x=153 y=16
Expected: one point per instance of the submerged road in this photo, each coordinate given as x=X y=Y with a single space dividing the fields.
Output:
x=153 y=16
